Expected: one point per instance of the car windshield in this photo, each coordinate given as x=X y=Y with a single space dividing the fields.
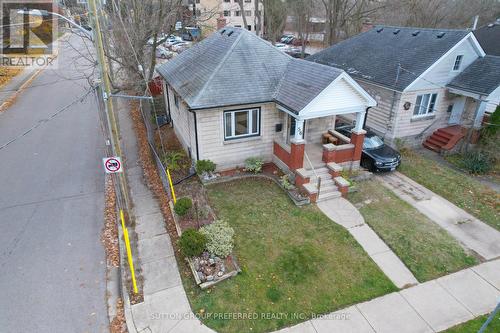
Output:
x=372 y=142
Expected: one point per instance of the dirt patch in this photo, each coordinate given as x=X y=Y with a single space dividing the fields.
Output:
x=180 y=167
x=109 y=234
x=6 y=74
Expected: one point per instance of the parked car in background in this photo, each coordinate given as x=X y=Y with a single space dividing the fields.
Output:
x=288 y=40
x=181 y=46
x=296 y=52
x=159 y=39
x=171 y=40
x=281 y=46
x=191 y=33
x=376 y=155
x=298 y=42
x=285 y=37
x=162 y=52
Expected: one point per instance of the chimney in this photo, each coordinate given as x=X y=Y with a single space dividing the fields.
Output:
x=366 y=25
x=221 y=21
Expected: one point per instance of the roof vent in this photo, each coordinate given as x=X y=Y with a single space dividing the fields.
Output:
x=223 y=31
x=415 y=33
x=440 y=35
x=491 y=25
x=230 y=33
x=380 y=30
x=396 y=31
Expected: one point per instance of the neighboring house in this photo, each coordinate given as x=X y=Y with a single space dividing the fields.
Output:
x=489 y=38
x=209 y=12
x=409 y=71
x=234 y=96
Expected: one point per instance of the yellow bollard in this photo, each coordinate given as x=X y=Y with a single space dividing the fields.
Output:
x=129 y=252
x=171 y=186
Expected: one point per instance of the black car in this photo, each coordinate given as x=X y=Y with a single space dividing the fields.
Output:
x=376 y=155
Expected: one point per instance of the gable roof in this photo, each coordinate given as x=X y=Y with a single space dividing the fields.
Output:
x=374 y=55
x=480 y=77
x=302 y=82
x=235 y=67
x=489 y=38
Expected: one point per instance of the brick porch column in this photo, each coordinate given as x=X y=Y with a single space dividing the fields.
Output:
x=296 y=154
x=357 y=138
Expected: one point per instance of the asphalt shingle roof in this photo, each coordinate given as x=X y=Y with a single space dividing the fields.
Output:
x=374 y=55
x=482 y=76
x=233 y=66
x=489 y=38
x=302 y=82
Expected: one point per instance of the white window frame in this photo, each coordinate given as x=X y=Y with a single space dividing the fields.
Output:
x=427 y=107
x=176 y=100
x=232 y=135
x=458 y=62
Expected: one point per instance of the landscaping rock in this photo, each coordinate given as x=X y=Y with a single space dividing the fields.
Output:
x=210 y=277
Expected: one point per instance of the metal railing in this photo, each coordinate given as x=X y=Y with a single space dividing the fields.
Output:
x=318 y=185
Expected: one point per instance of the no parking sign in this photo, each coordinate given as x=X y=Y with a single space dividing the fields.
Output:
x=112 y=164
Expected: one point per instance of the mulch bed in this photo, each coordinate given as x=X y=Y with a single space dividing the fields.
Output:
x=109 y=234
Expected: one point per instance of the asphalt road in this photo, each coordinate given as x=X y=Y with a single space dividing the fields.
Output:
x=52 y=263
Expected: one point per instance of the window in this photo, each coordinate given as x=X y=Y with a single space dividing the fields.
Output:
x=248 y=13
x=197 y=1
x=176 y=100
x=425 y=104
x=241 y=123
x=249 y=27
x=248 y=0
x=237 y=13
x=227 y=13
x=458 y=61
x=227 y=0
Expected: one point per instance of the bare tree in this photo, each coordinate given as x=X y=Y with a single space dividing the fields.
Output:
x=242 y=10
x=275 y=12
x=302 y=12
x=257 y=15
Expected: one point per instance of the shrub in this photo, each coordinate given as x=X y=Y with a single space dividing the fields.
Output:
x=205 y=166
x=219 y=238
x=192 y=243
x=171 y=160
x=476 y=162
x=182 y=206
x=254 y=164
x=493 y=124
x=285 y=182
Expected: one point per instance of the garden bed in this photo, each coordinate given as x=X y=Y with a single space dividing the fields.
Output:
x=295 y=262
x=425 y=248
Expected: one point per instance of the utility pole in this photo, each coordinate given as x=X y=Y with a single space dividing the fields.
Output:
x=106 y=88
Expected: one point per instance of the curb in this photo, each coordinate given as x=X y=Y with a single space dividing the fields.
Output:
x=27 y=81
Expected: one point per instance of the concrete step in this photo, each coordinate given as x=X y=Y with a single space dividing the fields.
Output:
x=328 y=196
x=328 y=188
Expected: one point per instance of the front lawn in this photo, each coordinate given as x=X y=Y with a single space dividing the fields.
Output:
x=295 y=262
x=474 y=325
x=426 y=249
x=462 y=190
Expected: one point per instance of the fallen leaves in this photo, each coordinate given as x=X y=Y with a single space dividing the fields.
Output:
x=118 y=323
x=109 y=234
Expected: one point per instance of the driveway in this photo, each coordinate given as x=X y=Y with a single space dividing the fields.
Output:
x=51 y=207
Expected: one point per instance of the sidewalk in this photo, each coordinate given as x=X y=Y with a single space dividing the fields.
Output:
x=342 y=212
x=427 y=307
x=165 y=301
x=468 y=230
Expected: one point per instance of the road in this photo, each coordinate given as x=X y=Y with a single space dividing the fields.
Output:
x=52 y=264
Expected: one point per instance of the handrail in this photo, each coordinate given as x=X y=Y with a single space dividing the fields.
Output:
x=314 y=171
x=421 y=134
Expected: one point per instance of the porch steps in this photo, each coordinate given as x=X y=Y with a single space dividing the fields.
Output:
x=444 y=139
x=328 y=188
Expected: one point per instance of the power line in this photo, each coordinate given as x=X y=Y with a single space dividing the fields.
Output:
x=80 y=99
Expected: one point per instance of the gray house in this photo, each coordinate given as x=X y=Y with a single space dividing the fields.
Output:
x=424 y=81
x=234 y=96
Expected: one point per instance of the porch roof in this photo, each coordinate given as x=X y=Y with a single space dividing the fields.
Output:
x=481 y=77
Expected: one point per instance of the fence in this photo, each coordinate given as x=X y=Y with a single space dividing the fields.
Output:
x=148 y=118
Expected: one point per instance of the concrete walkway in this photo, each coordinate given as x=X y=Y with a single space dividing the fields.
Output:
x=468 y=230
x=344 y=213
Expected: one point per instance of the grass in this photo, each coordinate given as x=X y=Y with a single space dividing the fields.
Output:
x=6 y=74
x=295 y=262
x=426 y=249
x=462 y=190
x=474 y=325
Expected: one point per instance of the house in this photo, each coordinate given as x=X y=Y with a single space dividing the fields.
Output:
x=210 y=13
x=417 y=76
x=489 y=37
x=234 y=96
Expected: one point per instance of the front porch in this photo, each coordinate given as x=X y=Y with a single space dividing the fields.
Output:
x=315 y=152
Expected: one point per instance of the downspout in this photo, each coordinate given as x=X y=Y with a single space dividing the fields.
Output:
x=366 y=116
x=168 y=105
x=195 y=133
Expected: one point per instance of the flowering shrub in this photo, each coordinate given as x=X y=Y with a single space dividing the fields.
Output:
x=219 y=237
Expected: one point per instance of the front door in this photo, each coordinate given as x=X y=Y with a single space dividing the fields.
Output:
x=457 y=108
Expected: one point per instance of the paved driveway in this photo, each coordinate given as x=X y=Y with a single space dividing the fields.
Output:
x=52 y=263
